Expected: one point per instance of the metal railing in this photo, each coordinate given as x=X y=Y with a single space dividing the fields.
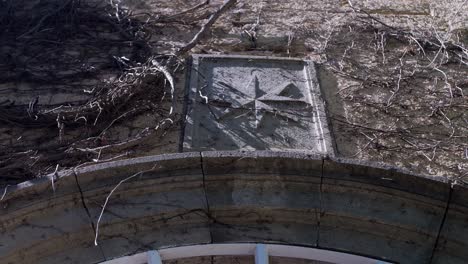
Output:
x=262 y=252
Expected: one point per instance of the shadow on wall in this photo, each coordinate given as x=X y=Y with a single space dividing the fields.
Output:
x=55 y=51
x=63 y=81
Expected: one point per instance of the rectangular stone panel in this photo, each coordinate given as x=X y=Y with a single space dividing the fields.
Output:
x=254 y=103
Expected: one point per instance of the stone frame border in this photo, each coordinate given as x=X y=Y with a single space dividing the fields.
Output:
x=312 y=76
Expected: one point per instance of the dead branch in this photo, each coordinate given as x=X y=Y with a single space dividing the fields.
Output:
x=227 y=4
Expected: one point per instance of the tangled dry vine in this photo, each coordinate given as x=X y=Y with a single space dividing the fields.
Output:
x=101 y=58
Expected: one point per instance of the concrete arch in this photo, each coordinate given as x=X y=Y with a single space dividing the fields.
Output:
x=234 y=197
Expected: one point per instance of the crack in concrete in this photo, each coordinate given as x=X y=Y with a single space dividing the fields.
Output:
x=85 y=207
x=442 y=223
x=208 y=212
x=320 y=205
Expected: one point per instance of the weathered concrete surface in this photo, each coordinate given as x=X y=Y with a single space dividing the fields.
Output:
x=401 y=215
x=263 y=196
x=161 y=207
x=36 y=220
x=215 y=197
x=254 y=103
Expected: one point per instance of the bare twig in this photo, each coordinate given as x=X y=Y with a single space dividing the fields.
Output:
x=227 y=4
x=110 y=194
x=4 y=192
x=169 y=78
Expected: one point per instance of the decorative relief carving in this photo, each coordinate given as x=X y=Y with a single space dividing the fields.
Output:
x=254 y=103
x=259 y=103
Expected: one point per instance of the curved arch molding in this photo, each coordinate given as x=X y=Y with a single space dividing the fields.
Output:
x=234 y=197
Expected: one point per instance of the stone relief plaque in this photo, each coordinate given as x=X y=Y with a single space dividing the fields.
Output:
x=254 y=103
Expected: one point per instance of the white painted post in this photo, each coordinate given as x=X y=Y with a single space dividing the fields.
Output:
x=261 y=254
x=153 y=257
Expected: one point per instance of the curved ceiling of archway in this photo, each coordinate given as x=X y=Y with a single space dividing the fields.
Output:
x=232 y=197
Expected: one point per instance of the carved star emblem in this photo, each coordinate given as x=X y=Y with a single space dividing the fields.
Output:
x=259 y=103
